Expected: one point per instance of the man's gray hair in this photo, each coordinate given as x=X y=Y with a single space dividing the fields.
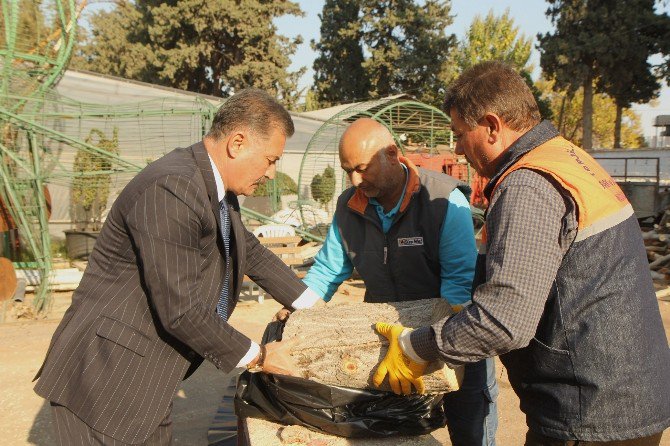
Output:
x=254 y=110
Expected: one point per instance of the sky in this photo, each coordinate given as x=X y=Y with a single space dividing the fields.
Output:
x=528 y=15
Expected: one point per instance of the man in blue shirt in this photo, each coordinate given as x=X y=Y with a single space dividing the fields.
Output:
x=409 y=234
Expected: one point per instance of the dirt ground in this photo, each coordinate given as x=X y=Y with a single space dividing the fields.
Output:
x=25 y=418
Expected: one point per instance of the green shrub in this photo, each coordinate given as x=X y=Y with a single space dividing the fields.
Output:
x=323 y=186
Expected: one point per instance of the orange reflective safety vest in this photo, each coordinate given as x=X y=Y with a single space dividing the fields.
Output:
x=599 y=199
x=598 y=367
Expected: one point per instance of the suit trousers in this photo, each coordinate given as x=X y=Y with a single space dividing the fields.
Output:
x=533 y=439
x=71 y=431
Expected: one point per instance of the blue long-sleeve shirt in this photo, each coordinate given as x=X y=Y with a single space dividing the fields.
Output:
x=457 y=253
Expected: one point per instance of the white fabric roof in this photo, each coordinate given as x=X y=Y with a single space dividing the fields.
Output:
x=96 y=88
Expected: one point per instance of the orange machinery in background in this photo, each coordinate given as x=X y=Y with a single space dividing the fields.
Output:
x=457 y=167
x=10 y=241
x=9 y=235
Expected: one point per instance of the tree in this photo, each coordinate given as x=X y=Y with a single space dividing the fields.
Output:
x=633 y=84
x=282 y=184
x=114 y=48
x=543 y=103
x=31 y=28
x=497 y=38
x=627 y=75
x=566 y=108
x=494 y=38
x=570 y=55
x=384 y=47
x=338 y=70
x=208 y=47
x=323 y=186
x=606 y=44
x=408 y=46
x=663 y=68
x=285 y=184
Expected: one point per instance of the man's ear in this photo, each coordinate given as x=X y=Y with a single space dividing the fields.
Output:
x=493 y=126
x=391 y=152
x=235 y=144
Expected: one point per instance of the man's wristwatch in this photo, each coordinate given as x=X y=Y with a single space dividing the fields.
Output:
x=259 y=364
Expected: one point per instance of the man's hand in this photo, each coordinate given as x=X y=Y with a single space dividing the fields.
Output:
x=278 y=360
x=402 y=371
x=282 y=314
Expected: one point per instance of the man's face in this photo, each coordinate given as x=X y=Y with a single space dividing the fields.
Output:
x=367 y=169
x=474 y=144
x=257 y=163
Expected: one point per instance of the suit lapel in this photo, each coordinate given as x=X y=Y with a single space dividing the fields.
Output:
x=205 y=166
x=237 y=238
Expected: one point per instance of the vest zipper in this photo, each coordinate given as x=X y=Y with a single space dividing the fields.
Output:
x=386 y=250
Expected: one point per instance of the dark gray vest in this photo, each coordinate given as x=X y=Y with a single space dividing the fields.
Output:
x=402 y=264
x=598 y=368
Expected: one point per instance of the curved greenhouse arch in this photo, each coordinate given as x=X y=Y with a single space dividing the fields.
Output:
x=413 y=125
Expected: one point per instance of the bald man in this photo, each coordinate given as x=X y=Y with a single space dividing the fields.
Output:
x=408 y=232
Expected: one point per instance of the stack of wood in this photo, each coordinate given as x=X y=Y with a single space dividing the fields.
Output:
x=657 y=244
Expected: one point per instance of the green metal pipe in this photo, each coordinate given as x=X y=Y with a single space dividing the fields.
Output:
x=11 y=15
x=58 y=136
x=97 y=173
x=137 y=114
x=16 y=56
x=14 y=157
x=42 y=299
x=68 y=35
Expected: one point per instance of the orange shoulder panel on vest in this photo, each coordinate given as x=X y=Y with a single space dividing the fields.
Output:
x=596 y=194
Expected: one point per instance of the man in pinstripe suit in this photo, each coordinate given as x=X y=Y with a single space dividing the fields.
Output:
x=162 y=280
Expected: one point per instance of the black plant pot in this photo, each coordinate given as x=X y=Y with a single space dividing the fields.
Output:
x=79 y=244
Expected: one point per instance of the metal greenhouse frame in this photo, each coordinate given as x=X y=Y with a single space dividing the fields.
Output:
x=415 y=126
x=49 y=140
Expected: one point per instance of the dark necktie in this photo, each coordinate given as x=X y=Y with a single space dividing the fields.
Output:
x=222 y=306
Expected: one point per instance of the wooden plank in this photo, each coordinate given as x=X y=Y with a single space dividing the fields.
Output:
x=663 y=294
x=293 y=261
x=286 y=249
x=299 y=274
x=295 y=239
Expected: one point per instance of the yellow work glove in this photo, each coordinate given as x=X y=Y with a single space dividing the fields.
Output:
x=402 y=371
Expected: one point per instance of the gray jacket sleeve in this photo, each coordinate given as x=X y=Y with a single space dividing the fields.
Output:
x=530 y=226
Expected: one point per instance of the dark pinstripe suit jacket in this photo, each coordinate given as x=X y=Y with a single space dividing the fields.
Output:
x=144 y=316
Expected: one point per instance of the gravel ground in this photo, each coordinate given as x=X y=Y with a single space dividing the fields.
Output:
x=25 y=418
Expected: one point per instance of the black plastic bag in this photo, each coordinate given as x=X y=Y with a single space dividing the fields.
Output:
x=332 y=409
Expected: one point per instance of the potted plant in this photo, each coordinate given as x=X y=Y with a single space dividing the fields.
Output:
x=89 y=192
